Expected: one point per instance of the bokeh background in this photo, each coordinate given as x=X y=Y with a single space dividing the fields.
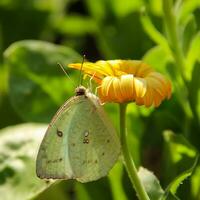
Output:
x=37 y=34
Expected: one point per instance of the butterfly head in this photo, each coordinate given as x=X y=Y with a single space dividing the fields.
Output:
x=80 y=91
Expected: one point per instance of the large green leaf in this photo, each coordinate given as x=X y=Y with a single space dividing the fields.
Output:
x=18 y=149
x=37 y=86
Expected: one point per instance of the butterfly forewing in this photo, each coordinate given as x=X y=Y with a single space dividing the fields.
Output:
x=52 y=159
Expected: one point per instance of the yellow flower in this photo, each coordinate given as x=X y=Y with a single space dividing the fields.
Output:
x=127 y=80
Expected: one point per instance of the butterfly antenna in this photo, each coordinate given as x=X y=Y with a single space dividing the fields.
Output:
x=66 y=73
x=81 y=71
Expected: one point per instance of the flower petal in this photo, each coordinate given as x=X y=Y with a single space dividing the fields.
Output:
x=140 y=87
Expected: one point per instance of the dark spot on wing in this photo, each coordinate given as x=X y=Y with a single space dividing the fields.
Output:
x=107 y=140
x=86 y=141
x=73 y=144
x=95 y=161
x=86 y=137
x=59 y=133
x=54 y=161
x=103 y=154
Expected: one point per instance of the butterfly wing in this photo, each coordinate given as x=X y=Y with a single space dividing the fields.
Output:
x=95 y=146
x=80 y=143
x=52 y=159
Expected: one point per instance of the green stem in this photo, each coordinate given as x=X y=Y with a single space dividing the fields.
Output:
x=130 y=165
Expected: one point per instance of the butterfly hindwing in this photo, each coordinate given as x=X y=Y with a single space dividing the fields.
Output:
x=94 y=145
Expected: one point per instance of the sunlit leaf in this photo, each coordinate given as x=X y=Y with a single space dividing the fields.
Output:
x=192 y=55
x=76 y=25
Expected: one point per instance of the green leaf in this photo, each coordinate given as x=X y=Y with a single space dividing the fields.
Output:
x=189 y=32
x=192 y=55
x=115 y=178
x=120 y=40
x=18 y=149
x=195 y=183
x=151 y=184
x=173 y=186
x=37 y=86
x=100 y=8
x=187 y=8
x=194 y=93
x=153 y=33
x=76 y=25
x=157 y=58
x=93 y=190
x=181 y=154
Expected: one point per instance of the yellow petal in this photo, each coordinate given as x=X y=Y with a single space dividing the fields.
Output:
x=140 y=86
x=126 y=87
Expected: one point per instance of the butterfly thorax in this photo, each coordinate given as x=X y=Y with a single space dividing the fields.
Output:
x=80 y=91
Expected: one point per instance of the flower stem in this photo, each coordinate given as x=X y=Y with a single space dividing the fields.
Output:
x=128 y=161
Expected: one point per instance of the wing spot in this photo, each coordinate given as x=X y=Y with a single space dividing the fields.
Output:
x=60 y=159
x=73 y=144
x=96 y=161
x=59 y=133
x=86 y=141
x=86 y=137
x=103 y=154
x=107 y=140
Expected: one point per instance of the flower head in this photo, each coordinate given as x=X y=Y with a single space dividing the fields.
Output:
x=127 y=80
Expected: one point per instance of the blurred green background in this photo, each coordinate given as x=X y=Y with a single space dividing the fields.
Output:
x=37 y=34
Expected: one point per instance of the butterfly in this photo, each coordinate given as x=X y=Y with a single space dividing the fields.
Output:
x=80 y=142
